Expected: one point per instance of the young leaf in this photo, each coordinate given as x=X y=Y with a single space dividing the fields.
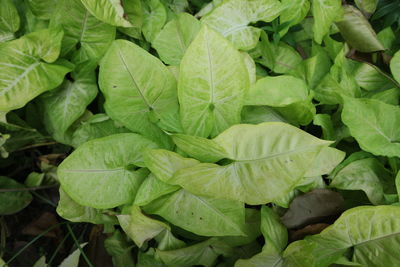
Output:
x=73 y=259
x=154 y=19
x=139 y=227
x=83 y=30
x=172 y=42
x=325 y=13
x=232 y=18
x=395 y=66
x=373 y=124
x=293 y=12
x=120 y=250
x=212 y=82
x=139 y=91
x=99 y=173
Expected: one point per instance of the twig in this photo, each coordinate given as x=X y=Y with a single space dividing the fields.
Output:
x=37 y=145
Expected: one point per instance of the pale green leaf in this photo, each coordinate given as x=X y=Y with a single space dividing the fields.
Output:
x=151 y=189
x=328 y=130
x=98 y=174
x=12 y=202
x=357 y=31
x=263 y=259
x=63 y=106
x=368 y=175
x=268 y=161
x=82 y=30
x=199 y=254
x=366 y=230
x=203 y=149
x=155 y=16
x=73 y=259
x=204 y=216
x=232 y=19
x=23 y=72
x=387 y=37
x=325 y=13
x=139 y=91
x=370 y=78
x=374 y=125
x=41 y=262
x=173 y=40
x=109 y=11
x=139 y=227
x=167 y=241
x=327 y=159
x=293 y=12
x=260 y=114
x=213 y=80
x=72 y=211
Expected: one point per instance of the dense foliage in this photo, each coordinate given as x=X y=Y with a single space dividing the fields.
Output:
x=215 y=133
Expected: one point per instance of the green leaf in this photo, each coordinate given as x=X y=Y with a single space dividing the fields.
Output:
x=371 y=78
x=110 y=11
x=154 y=19
x=23 y=72
x=213 y=80
x=119 y=249
x=293 y=12
x=206 y=216
x=367 y=6
x=63 y=106
x=151 y=189
x=251 y=229
x=99 y=125
x=163 y=163
x=72 y=211
x=289 y=94
x=395 y=66
x=167 y=241
x=173 y=40
x=368 y=175
x=268 y=160
x=325 y=13
x=9 y=18
x=83 y=30
x=274 y=232
x=203 y=149
x=232 y=17
x=357 y=31
x=139 y=227
x=366 y=230
x=327 y=159
x=140 y=91
x=260 y=114
x=99 y=174
x=328 y=130
x=12 y=202
x=199 y=254
x=264 y=258
x=373 y=124
x=43 y=9
x=41 y=262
